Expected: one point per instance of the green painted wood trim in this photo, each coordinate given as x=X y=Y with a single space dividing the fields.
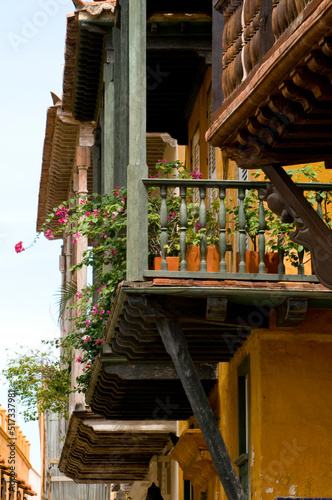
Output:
x=243 y=371
x=305 y=186
x=107 y=180
x=121 y=96
x=137 y=204
x=230 y=276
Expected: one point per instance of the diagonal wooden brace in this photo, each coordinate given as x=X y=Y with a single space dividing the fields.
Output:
x=176 y=346
x=311 y=232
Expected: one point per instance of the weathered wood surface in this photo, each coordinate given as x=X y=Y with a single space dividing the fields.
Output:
x=176 y=346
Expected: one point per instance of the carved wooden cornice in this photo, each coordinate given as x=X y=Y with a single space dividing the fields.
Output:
x=280 y=113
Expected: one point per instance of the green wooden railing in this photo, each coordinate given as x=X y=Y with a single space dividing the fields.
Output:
x=183 y=188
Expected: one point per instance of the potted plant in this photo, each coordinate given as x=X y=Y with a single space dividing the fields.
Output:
x=279 y=246
x=175 y=169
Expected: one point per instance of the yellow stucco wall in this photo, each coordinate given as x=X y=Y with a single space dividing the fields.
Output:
x=291 y=410
x=22 y=447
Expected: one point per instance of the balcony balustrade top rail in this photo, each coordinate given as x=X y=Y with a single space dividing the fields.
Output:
x=181 y=189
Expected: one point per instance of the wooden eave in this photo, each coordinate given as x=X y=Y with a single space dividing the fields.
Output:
x=61 y=139
x=97 y=450
x=84 y=57
x=126 y=390
x=280 y=114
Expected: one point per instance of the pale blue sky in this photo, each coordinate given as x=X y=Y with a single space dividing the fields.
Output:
x=32 y=58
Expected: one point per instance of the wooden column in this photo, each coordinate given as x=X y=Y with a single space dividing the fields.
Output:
x=83 y=159
x=107 y=178
x=137 y=201
x=176 y=346
x=121 y=93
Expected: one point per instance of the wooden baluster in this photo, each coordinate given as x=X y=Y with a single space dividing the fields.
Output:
x=222 y=231
x=183 y=228
x=319 y=200
x=202 y=223
x=281 y=253
x=163 y=227
x=242 y=232
x=261 y=232
x=300 y=270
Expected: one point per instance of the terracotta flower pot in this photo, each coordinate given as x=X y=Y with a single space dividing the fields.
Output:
x=271 y=261
x=193 y=258
x=173 y=263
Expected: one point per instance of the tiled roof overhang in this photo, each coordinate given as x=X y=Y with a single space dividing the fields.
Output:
x=98 y=450
x=61 y=139
x=280 y=114
x=84 y=58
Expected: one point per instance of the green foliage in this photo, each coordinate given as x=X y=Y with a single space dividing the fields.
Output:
x=277 y=232
x=39 y=382
x=102 y=220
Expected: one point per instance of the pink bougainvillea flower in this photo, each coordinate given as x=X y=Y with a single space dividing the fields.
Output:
x=99 y=341
x=76 y=236
x=49 y=235
x=88 y=337
x=79 y=359
x=19 y=247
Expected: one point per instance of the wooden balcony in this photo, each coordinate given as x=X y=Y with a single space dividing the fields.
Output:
x=276 y=81
x=229 y=231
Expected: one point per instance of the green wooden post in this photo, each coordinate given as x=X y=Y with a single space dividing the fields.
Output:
x=183 y=228
x=202 y=223
x=281 y=253
x=241 y=231
x=137 y=201
x=121 y=95
x=261 y=235
x=222 y=231
x=163 y=228
x=107 y=180
x=319 y=200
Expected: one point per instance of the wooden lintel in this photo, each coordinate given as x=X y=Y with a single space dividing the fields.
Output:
x=201 y=43
x=160 y=371
x=292 y=312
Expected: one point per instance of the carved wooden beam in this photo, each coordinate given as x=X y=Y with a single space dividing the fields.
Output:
x=311 y=232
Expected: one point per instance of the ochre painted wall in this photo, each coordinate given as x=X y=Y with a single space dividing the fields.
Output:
x=291 y=410
x=22 y=447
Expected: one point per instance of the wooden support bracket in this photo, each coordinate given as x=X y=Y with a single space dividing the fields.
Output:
x=311 y=232
x=176 y=346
